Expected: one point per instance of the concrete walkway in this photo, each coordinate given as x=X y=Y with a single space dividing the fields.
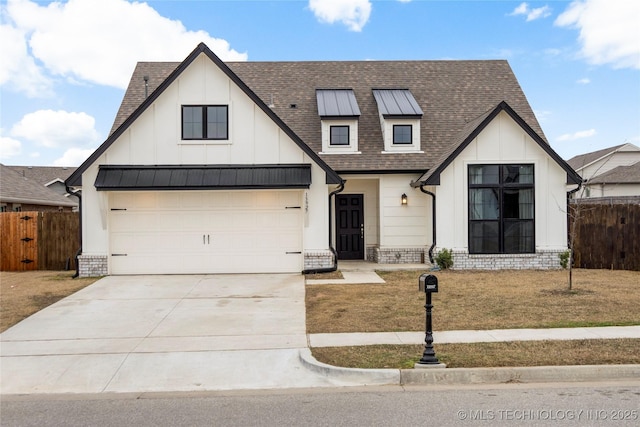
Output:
x=495 y=335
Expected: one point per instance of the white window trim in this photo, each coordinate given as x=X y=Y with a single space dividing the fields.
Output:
x=352 y=148
x=387 y=134
x=227 y=141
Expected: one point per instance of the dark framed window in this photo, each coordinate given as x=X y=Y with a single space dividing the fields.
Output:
x=501 y=209
x=339 y=135
x=402 y=134
x=205 y=122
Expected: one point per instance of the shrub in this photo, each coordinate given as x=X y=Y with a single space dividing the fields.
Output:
x=444 y=259
x=564 y=258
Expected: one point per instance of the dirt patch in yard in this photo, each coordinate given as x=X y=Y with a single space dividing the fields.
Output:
x=478 y=300
x=27 y=292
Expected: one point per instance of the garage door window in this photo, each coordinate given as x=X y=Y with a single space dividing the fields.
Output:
x=205 y=122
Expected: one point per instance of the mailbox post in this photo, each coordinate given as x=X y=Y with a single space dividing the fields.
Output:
x=428 y=284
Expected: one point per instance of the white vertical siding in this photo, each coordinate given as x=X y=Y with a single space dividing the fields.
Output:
x=502 y=141
x=403 y=226
x=155 y=138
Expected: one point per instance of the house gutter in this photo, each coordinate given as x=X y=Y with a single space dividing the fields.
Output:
x=331 y=248
x=77 y=193
x=433 y=220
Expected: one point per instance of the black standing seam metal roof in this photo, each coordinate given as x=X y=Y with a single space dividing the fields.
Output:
x=205 y=177
x=396 y=103
x=337 y=103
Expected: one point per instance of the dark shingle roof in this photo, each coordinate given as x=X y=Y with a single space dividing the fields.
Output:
x=451 y=94
x=43 y=174
x=619 y=175
x=16 y=188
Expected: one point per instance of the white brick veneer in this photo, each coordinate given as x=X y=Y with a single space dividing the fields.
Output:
x=318 y=259
x=92 y=265
x=541 y=260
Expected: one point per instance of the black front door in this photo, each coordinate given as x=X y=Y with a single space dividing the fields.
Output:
x=350 y=226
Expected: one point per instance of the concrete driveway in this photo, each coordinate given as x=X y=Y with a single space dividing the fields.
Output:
x=164 y=333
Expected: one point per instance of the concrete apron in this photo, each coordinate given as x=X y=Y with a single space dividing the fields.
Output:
x=165 y=333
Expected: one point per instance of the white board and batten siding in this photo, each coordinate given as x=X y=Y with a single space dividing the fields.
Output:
x=162 y=231
x=503 y=142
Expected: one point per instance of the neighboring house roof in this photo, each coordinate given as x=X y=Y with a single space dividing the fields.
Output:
x=583 y=160
x=619 y=175
x=44 y=175
x=453 y=97
x=16 y=188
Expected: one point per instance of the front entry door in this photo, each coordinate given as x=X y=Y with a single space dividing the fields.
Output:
x=350 y=226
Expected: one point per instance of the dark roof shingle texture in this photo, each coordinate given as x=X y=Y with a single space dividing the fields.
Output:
x=451 y=94
x=18 y=188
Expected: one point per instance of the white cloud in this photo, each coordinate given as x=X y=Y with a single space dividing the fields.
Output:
x=9 y=147
x=99 y=41
x=56 y=129
x=608 y=30
x=576 y=135
x=17 y=69
x=584 y=81
x=352 y=13
x=73 y=157
x=531 y=14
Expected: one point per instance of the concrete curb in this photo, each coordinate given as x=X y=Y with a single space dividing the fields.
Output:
x=533 y=374
x=350 y=375
x=468 y=376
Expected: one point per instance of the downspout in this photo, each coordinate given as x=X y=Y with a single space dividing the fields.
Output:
x=331 y=248
x=433 y=220
x=77 y=194
x=569 y=193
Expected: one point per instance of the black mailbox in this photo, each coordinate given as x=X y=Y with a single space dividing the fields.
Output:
x=428 y=283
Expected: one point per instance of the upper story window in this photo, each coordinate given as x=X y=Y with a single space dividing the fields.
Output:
x=501 y=209
x=402 y=134
x=205 y=122
x=400 y=117
x=339 y=135
x=339 y=113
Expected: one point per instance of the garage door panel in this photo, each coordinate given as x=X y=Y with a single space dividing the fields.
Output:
x=206 y=232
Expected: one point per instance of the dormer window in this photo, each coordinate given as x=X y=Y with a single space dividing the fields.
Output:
x=400 y=117
x=339 y=135
x=339 y=113
x=402 y=134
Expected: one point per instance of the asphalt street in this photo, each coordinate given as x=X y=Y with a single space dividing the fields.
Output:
x=551 y=404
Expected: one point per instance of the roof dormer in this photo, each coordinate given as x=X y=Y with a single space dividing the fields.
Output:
x=339 y=113
x=400 y=117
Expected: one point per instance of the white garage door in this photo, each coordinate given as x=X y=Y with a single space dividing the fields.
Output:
x=193 y=232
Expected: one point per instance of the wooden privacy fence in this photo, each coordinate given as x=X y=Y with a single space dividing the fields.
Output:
x=607 y=236
x=38 y=240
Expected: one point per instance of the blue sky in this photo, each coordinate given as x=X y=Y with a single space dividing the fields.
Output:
x=64 y=65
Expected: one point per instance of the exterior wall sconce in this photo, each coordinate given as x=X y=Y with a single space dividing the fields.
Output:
x=404 y=200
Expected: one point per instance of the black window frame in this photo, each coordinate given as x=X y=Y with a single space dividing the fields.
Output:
x=335 y=144
x=204 y=122
x=504 y=223
x=395 y=142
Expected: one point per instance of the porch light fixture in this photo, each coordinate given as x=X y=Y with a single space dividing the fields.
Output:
x=403 y=200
